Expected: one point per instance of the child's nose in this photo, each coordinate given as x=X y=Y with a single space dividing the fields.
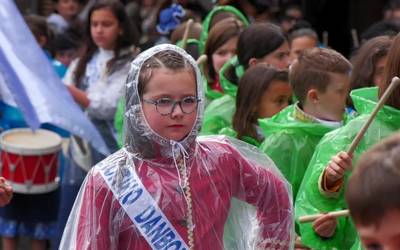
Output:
x=177 y=111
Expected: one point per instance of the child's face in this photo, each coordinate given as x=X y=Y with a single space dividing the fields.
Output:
x=331 y=104
x=279 y=58
x=378 y=71
x=66 y=56
x=104 y=28
x=384 y=237
x=67 y=8
x=274 y=99
x=164 y=86
x=224 y=53
x=299 y=44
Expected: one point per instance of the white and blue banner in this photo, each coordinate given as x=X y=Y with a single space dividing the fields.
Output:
x=141 y=208
x=37 y=90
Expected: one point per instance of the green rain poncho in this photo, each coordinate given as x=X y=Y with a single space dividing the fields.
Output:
x=219 y=112
x=290 y=140
x=212 y=94
x=119 y=121
x=310 y=199
x=229 y=131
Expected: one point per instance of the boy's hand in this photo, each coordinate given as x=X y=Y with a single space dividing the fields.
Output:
x=298 y=245
x=337 y=167
x=5 y=192
x=325 y=226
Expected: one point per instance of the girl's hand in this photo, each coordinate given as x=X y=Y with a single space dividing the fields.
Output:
x=325 y=226
x=6 y=192
x=79 y=96
x=337 y=167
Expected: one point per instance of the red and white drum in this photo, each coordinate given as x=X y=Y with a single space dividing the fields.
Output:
x=29 y=160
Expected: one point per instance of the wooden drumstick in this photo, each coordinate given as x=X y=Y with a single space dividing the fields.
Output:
x=186 y=33
x=313 y=217
x=201 y=59
x=354 y=36
x=393 y=85
x=325 y=38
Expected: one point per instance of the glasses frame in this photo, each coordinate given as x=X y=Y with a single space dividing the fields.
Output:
x=174 y=103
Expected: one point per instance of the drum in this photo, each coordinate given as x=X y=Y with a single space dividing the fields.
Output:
x=29 y=160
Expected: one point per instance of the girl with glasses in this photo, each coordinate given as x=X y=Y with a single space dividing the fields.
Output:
x=169 y=189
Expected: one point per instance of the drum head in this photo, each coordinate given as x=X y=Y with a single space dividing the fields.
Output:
x=24 y=141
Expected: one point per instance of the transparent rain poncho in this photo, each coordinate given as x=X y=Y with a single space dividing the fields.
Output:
x=211 y=192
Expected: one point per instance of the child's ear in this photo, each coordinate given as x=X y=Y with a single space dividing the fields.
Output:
x=312 y=96
x=252 y=62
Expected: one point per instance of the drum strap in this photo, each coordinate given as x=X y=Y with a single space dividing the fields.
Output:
x=141 y=208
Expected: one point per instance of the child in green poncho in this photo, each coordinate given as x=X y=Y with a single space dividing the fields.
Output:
x=373 y=195
x=320 y=81
x=328 y=170
x=263 y=91
x=220 y=47
x=259 y=43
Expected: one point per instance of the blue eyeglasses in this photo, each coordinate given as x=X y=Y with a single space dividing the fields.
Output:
x=166 y=106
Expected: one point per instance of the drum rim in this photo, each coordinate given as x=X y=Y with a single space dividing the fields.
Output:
x=10 y=148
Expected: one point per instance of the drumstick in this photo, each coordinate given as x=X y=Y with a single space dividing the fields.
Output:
x=354 y=36
x=393 y=85
x=201 y=59
x=325 y=38
x=186 y=33
x=335 y=214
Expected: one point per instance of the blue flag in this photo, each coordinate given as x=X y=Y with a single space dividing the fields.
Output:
x=33 y=83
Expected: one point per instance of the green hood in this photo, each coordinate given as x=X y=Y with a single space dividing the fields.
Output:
x=209 y=17
x=229 y=87
x=365 y=100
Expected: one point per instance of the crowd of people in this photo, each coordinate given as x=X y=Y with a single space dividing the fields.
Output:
x=227 y=122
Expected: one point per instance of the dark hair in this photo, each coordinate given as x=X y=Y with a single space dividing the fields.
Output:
x=374 y=186
x=219 y=34
x=123 y=41
x=194 y=32
x=392 y=69
x=38 y=26
x=313 y=69
x=365 y=60
x=165 y=59
x=256 y=41
x=303 y=32
x=382 y=28
x=252 y=86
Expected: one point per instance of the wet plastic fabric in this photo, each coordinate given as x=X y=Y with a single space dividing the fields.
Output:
x=311 y=199
x=119 y=121
x=202 y=173
x=218 y=115
x=219 y=112
x=229 y=87
x=229 y=131
x=290 y=143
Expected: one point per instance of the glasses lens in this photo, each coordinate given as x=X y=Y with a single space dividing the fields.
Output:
x=164 y=106
x=188 y=104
